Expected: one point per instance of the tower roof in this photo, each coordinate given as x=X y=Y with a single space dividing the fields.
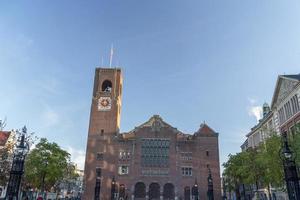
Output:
x=205 y=130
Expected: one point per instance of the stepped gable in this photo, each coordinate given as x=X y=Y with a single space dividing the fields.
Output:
x=4 y=135
x=206 y=131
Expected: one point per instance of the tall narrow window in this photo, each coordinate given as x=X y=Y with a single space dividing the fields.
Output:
x=207 y=153
x=98 y=172
x=297 y=103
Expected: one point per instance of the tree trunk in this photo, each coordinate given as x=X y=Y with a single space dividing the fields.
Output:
x=244 y=191
x=269 y=191
x=237 y=192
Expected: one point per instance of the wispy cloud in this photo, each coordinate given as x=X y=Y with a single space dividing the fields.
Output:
x=50 y=117
x=77 y=156
x=50 y=86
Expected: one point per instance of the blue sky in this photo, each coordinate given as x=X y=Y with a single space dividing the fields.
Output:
x=188 y=61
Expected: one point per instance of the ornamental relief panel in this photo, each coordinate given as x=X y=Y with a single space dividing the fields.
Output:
x=286 y=87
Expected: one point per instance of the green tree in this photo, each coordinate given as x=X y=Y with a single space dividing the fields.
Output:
x=45 y=165
x=257 y=166
x=234 y=173
x=295 y=142
x=269 y=158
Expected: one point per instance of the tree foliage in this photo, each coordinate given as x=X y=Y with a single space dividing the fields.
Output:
x=268 y=157
x=260 y=165
x=295 y=142
x=46 y=165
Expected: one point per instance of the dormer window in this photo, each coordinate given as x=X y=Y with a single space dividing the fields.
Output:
x=106 y=86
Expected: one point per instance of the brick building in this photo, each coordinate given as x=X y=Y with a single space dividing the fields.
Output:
x=152 y=161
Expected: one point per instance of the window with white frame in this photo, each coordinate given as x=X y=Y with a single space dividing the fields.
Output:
x=123 y=169
x=124 y=155
x=186 y=171
x=186 y=156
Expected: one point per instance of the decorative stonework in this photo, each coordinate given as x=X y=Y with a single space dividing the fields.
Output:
x=286 y=87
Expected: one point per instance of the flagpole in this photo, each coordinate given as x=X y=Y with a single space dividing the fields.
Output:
x=111 y=55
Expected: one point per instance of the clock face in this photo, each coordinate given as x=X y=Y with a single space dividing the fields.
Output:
x=104 y=103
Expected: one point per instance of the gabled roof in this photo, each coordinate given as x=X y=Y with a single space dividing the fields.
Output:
x=284 y=85
x=205 y=130
x=293 y=76
x=156 y=123
x=4 y=135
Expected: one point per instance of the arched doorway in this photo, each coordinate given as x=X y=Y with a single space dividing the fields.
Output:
x=187 y=193
x=139 y=190
x=169 y=192
x=154 y=191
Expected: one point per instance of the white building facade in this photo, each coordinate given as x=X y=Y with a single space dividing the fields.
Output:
x=286 y=103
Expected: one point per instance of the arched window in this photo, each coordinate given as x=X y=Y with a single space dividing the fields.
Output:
x=140 y=190
x=169 y=192
x=106 y=86
x=154 y=191
x=187 y=193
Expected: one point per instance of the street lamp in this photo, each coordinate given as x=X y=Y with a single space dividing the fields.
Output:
x=17 y=168
x=113 y=189
x=290 y=169
x=210 y=188
x=195 y=191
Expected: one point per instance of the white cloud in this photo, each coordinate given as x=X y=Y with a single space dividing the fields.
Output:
x=254 y=110
x=77 y=156
x=252 y=101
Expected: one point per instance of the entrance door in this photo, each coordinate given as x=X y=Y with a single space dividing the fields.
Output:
x=154 y=191
x=140 y=191
x=169 y=192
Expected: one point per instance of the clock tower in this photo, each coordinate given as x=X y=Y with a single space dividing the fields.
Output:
x=104 y=125
x=106 y=102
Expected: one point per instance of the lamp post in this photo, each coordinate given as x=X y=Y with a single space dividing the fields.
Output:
x=195 y=191
x=210 y=188
x=290 y=169
x=17 y=168
x=113 y=189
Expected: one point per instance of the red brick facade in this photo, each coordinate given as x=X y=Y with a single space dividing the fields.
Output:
x=153 y=161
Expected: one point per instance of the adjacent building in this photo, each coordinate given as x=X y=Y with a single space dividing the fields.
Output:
x=282 y=117
x=286 y=103
x=6 y=150
x=154 y=160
